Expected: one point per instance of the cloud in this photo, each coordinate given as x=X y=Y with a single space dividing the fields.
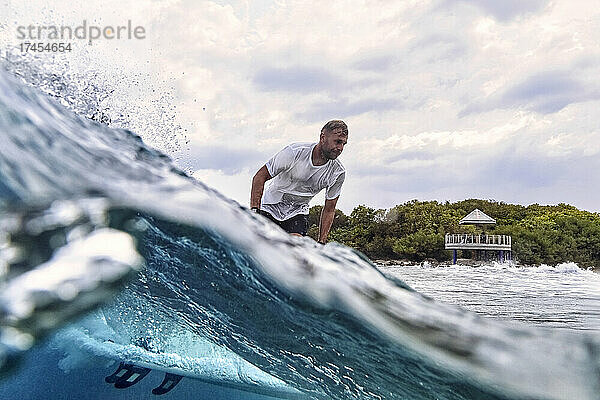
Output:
x=400 y=77
x=374 y=62
x=546 y=92
x=346 y=108
x=517 y=171
x=229 y=160
x=436 y=47
x=506 y=10
x=444 y=98
x=523 y=171
x=296 y=79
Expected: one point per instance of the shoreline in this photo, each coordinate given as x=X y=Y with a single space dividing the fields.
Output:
x=435 y=263
x=460 y=261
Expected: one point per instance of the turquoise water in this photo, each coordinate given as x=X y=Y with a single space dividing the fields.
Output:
x=110 y=252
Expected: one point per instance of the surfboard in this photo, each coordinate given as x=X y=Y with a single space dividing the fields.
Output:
x=136 y=362
x=218 y=366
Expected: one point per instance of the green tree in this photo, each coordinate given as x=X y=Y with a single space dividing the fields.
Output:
x=415 y=230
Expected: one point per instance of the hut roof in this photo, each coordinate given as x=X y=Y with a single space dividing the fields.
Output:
x=477 y=217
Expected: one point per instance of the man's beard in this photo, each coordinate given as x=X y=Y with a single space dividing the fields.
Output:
x=330 y=155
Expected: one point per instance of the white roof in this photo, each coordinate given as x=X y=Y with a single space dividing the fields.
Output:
x=477 y=217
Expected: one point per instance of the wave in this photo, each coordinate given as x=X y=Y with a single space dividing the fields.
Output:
x=322 y=319
x=564 y=268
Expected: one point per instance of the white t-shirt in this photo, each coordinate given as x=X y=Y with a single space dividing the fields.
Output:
x=296 y=181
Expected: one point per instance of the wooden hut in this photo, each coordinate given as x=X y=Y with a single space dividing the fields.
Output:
x=482 y=243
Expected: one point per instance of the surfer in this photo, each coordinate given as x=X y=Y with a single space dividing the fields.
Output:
x=299 y=172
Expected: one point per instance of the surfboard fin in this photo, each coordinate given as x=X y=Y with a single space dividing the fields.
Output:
x=170 y=381
x=127 y=375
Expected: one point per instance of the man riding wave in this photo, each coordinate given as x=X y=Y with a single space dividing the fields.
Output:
x=296 y=174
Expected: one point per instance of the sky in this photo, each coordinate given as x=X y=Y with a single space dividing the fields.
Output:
x=444 y=100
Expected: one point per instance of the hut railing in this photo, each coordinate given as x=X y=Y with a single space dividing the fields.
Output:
x=471 y=241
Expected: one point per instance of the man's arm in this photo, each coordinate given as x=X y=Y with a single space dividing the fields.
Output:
x=258 y=186
x=327 y=215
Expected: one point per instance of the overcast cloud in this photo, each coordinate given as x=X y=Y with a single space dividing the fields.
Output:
x=445 y=100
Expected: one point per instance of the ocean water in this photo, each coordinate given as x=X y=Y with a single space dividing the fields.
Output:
x=560 y=297
x=109 y=252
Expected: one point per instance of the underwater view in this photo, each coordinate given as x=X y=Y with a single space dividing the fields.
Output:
x=111 y=255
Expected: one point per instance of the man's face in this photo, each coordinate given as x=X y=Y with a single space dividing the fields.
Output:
x=332 y=143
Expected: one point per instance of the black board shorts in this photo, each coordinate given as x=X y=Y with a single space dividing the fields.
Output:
x=296 y=224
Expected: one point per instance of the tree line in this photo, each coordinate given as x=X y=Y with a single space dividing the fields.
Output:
x=415 y=230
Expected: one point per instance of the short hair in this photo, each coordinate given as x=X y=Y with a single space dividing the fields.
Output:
x=335 y=124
